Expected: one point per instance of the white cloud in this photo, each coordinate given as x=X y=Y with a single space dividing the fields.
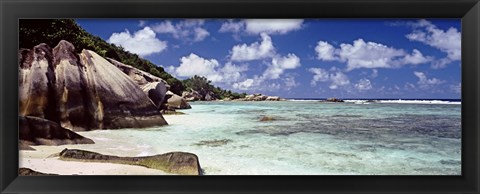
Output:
x=321 y=75
x=186 y=30
x=273 y=87
x=338 y=79
x=335 y=77
x=244 y=85
x=200 y=34
x=142 y=23
x=254 y=51
x=165 y=27
x=325 y=51
x=416 y=58
x=231 y=68
x=258 y=26
x=290 y=82
x=364 y=84
x=457 y=88
x=440 y=63
x=142 y=42
x=231 y=26
x=262 y=50
x=274 y=71
x=272 y=26
x=448 y=41
x=280 y=64
x=210 y=68
x=231 y=73
x=409 y=86
x=396 y=87
x=424 y=82
x=170 y=69
x=363 y=54
x=194 y=65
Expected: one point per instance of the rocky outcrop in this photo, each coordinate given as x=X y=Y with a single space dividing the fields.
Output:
x=333 y=100
x=260 y=97
x=213 y=143
x=267 y=118
x=192 y=95
x=210 y=96
x=138 y=76
x=173 y=162
x=273 y=98
x=176 y=102
x=153 y=86
x=81 y=91
x=38 y=131
x=171 y=112
x=156 y=91
x=30 y=172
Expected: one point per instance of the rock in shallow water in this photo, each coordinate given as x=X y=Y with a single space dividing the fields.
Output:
x=176 y=102
x=267 y=118
x=173 y=162
x=213 y=143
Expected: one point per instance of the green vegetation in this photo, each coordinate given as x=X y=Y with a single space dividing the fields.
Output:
x=203 y=86
x=51 y=31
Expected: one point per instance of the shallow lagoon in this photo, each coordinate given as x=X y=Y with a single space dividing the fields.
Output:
x=305 y=137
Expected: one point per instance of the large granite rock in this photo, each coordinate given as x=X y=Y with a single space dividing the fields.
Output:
x=192 y=95
x=173 y=162
x=39 y=131
x=138 y=76
x=176 y=102
x=36 y=75
x=153 y=86
x=81 y=91
x=210 y=96
x=156 y=91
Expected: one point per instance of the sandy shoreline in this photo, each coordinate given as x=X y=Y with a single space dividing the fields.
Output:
x=41 y=160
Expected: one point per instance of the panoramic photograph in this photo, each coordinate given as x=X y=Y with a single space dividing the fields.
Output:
x=239 y=96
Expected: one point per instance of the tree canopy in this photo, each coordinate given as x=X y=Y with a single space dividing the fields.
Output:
x=203 y=86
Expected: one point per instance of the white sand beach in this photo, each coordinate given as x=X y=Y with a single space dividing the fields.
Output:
x=41 y=160
x=106 y=142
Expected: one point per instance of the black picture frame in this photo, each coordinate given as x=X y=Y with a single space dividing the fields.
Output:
x=12 y=10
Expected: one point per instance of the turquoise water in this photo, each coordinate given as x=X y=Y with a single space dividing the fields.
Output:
x=306 y=138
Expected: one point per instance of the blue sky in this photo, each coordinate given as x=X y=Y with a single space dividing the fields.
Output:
x=343 y=58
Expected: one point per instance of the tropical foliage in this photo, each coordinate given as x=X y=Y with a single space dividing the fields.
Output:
x=203 y=86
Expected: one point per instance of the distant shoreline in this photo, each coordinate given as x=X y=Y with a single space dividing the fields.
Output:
x=364 y=101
